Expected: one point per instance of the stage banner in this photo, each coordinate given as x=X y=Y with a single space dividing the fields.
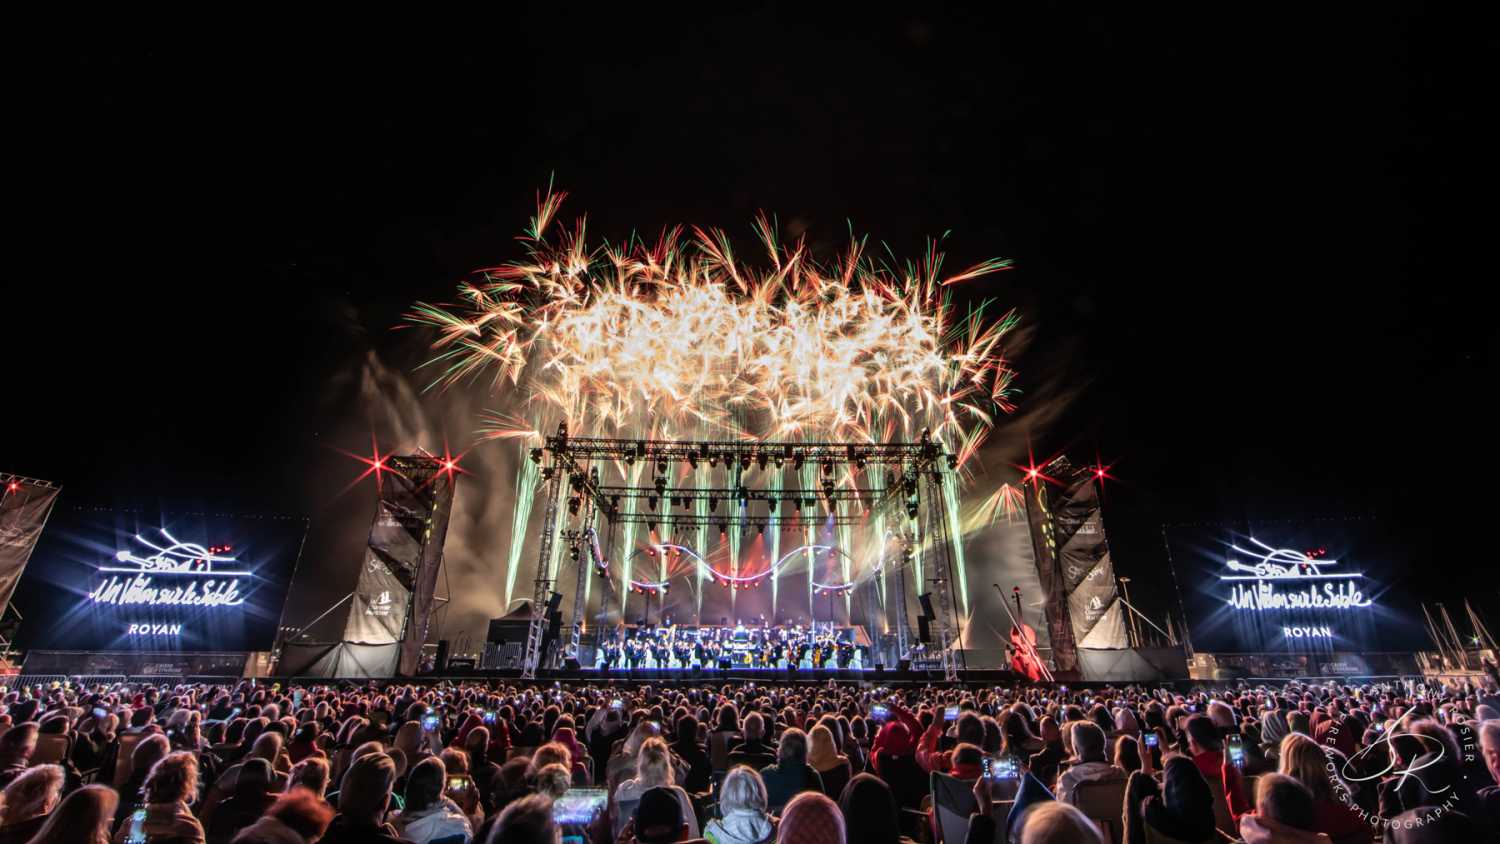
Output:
x=394 y=597
x=1088 y=572
x=1073 y=562
x=24 y=505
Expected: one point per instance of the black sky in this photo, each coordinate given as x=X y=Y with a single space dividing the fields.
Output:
x=1249 y=245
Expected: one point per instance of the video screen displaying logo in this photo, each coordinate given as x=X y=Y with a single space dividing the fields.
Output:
x=118 y=580
x=1317 y=586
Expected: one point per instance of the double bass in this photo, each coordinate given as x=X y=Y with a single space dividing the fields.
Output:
x=1023 y=654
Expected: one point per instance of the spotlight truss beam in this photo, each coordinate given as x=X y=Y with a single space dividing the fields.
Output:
x=693 y=451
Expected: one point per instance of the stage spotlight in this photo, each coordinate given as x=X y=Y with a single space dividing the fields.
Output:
x=744 y=462
x=640 y=449
x=547 y=473
x=692 y=461
x=573 y=504
x=797 y=463
x=713 y=460
x=953 y=461
x=661 y=466
x=661 y=484
x=761 y=529
x=651 y=501
x=536 y=455
x=713 y=504
x=771 y=504
x=614 y=502
x=744 y=495
x=650 y=526
x=778 y=461
x=630 y=458
x=827 y=467
x=760 y=460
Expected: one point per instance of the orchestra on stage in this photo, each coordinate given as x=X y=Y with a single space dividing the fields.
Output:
x=738 y=647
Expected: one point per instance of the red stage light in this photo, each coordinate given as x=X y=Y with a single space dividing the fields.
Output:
x=14 y=486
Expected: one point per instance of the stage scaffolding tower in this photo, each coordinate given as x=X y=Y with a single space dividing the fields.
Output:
x=912 y=472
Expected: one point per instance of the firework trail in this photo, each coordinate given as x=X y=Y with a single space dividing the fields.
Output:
x=679 y=338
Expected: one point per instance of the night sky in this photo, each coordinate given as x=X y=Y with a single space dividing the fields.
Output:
x=1247 y=250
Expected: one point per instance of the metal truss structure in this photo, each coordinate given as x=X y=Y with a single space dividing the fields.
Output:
x=914 y=482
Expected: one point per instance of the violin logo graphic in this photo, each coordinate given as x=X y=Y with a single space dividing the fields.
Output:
x=1273 y=566
x=133 y=582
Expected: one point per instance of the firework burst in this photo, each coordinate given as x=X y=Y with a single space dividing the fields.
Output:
x=681 y=338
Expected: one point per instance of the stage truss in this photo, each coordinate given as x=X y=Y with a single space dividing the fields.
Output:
x=900 y=488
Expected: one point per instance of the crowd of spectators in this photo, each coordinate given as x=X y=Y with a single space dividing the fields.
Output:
x=598 y=763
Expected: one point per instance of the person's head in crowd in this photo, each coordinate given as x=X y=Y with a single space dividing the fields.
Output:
x=173 y=780
x=811 y=818
x=653 y=764
x=31 y=795
x=1127 y=753
x=728 y=719
x=254 y=778
x=870 y=812
x=969 y=728
x=1305 y=760
x=527 y=820
x=141 y=717
x=365 y=790
x=85 y=817
x=1299 y=722
x=477 y=745
x=409 y=739
x=1222 y=716
x=1015 y=733
x=755 y=726
x=1125 y=722
x=1203 y=736
x=743 y=792
x=1184 y=810
x=1088 y=742
x=266 y=746
x=551 y=753
x=1285 y=801
x=967 y=759
x=424 y=784
x=792 y=750
x=554 y=780
x=658 y=818
x=822 y=754
x=18 y=743
x=312 y=774
x=296 y=816
x=1489 y=743
x=455 y=761
x=1050 y=733
x=1054 y=822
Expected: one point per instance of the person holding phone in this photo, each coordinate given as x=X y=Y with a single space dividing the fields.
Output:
x=1089 y=763
x=431 y=812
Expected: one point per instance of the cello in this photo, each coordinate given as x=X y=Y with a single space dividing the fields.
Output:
x=1024 y=659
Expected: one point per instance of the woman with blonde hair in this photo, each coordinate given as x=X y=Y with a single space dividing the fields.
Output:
x=84 y=818
x=653 y=769
x=831 y=765
x=1304 y=760
x=28 y=800
x=170 y=789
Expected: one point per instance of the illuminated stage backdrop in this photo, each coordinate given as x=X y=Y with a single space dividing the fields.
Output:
x=1296 y=587
x=108 y=580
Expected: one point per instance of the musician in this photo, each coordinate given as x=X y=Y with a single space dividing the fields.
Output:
x=634 y=653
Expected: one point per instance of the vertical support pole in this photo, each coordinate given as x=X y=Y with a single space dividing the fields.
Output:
x=583 y=551
x=539 y=595
x=940 y=570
